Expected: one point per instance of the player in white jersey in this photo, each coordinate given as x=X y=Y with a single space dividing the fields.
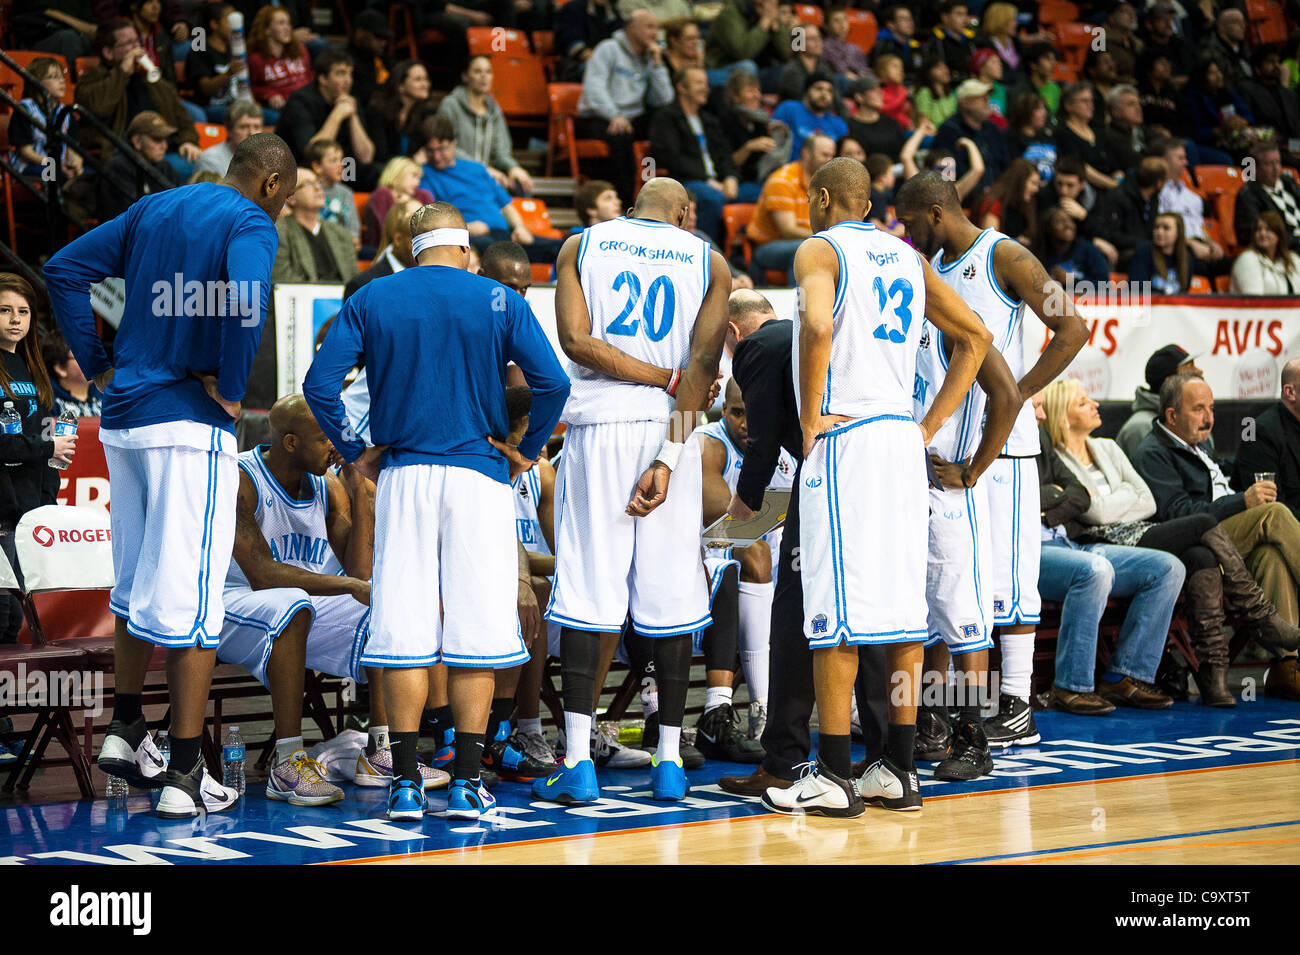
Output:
x=635 y=295
x=863 y=508
x=999 y=278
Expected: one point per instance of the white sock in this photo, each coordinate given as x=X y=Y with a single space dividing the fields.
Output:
x=379 y=737
x=754 y=608
x=1017 y=663
x=284 y=748
x=669 y=743
x=715 y=696
x=577 y=737
x=531 y=727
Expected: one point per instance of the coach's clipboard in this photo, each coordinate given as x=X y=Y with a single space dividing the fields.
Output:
x=728 y=531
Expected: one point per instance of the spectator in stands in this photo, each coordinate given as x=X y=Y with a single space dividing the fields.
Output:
x=942 y=160
x=1220 y=117
x=312 y=250
x=1125 y=138
x=1163 y=104
x=807 y=61
x=952 y=39
x=278 y=65
x=1126 y=214
x=1267 y=266
x=368 y=47
x=31 y=145
x=1011 y=206
x=396 y=111
x=1099 y=71
x=692 y=225
x=468 y=186
x=26 y=481
x=972 y=122
x=691 y=142
x=935 y=98
x=394 y=249
x=326 y=109
x=1270 y=190
x=1164 y=363
x=897 y=35
x=752 y=134
x=1077 y=137
x=876 y=132
x=1165 y=260
x=122 y=181
x=883 y=181
x=986 y=66
x=843 y=57
x=1027 y=134
x=203 y=175
x=1276 y=448
x=65 y=27
x=1083 y=577
x=1069 y=191
x=72 y=392
x=684 y=48
x=580 y=26
x=1161 y=39
x=1040 y=66
x=399 y=182
x=998 y=33
x=596 y=201
x=1177 y=196
x=1067 y=258
x=1122 y=40
x=662 y=9
x=624 y=81
x=748 y=30
x=153 y=39
x=895 y=100
x=780 y=220
x=481 y=131
x=325 y=158
x=207 y=67
x=812 y=115
x=245 y=119
x=116 y=91
x=1228 y=48
x=1274 y=105
x=850 y=148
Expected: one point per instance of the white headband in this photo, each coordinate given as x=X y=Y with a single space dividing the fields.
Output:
x=428 y=240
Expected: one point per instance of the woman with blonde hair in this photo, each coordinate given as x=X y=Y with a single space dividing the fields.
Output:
x=400 y=180
x=998 y=26
x=1122 y=512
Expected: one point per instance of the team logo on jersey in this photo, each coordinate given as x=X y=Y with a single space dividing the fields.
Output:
x=925 y=337
x=968 y=273
x=813 y=482
x=523 y=491
x=819 y=623
x=970 y=632
x=999 y=606
x=954 y=515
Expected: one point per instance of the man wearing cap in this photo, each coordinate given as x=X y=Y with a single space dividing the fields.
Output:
x=987 y=67
x=875 y=131
x=971 y=121
x=122 y=181
x=368 y=49
x=1170 y=360
x=812 y=115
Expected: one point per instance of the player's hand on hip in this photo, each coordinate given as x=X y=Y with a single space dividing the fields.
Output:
x=651 y=490
x=232 y=408
x=738 y=510
x=948 y=472
x=368 y=464
x=817 y=427
x=360 y=590
x=530 y=614
x=103 y=379
x=518 y=463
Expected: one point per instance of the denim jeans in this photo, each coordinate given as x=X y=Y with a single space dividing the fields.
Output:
x=708 y=208
x=1082 y=577
x=777 y=254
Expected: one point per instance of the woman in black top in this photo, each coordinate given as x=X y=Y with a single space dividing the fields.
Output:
x=395 y=111
x=1076 y=137
x=26 y=478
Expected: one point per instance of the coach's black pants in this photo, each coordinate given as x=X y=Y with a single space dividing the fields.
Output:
x=790 y=695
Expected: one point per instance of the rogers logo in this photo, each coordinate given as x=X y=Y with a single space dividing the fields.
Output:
x=46 y=537
x=43 y=535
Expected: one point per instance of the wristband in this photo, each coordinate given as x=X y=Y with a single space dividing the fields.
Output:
x=673 y=381
x=669 y=453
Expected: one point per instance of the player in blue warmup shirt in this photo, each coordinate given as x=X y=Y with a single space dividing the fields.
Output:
x=197 y=264
x=436 y=341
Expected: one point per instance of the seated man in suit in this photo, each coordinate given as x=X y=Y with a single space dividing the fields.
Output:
x=1271 y=189
x=312 y=250
x=395 y=253
x=1276 y=445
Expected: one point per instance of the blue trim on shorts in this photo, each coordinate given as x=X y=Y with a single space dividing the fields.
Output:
x=205 y=551
x=837 y=548
x=844 y=635
x=559 y=523
x=273 y=630
x=485 y=663
x=715 y=579
x=849 y=426
x=681 y=631
x=578 y=624
x=360 y=637
x=171 y=643
x=399 y=663
x=975 y=551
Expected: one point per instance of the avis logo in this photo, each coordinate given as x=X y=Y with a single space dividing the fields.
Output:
x=813 y=482
x=968 y=273
x=46 y=536
x=819 y=623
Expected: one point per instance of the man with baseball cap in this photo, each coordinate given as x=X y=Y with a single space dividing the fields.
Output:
x=1170 y=360
x=971 y=121
x=123 y=181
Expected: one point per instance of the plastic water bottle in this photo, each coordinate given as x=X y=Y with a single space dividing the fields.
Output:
x=10 y=422
x=239 y=87
x=232 y=760
x=65 y=424
x=116 y=788
x=164 y=745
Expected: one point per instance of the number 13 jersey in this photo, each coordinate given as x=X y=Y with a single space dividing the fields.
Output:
x=644 y=283
x=878 y=313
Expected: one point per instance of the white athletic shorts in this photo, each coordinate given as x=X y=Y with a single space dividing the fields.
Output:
x=255 y=618
x=607 y=563
x=173 y=522
x=863 y=534
x=444 y=536
x=1015 y=521
x=957 y=585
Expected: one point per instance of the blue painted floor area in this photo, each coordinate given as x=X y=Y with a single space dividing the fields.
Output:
x=1076 y=749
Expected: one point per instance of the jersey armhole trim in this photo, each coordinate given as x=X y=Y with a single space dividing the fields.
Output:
x=582 y=250
x=841 y=282
x=992 y=275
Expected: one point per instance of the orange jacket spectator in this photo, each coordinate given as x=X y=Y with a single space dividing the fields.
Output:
x=786 y=190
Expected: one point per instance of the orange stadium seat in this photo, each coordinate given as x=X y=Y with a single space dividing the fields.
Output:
x=490 y=41
x=561 y=138
x=1052 y=12
x=85 y=64
x=541 y=272
x=519 y=85
x=1224 y=207
x=1223 y=284
x=1199 y=285
x=536 y=217
x=1267 y=22
x=1073 y=40
x=735 y=216
x=544 y=48
x=210 y=134
x=1216 y=180
x=862 y=29
x=810 y=13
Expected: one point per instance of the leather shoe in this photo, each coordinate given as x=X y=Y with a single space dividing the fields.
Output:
x=755 y=784
x=1080 y=704
x=1212 y=680
x=1131 y=692
x=1283 y=679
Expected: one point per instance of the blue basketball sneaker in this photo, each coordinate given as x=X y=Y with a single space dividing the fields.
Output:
x=469 y=799
x=405 y=800
x=446 y=750
x=569 y=784
x=668 y=779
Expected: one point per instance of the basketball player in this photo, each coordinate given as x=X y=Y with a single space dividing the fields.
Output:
x=863 y=509
x=999 y=278
x=633 y=293
x=298 y=593
x=436 y=341
x=169 y=435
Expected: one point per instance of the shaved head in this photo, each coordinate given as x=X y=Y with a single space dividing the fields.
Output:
x=290 y=415
x=927 y=189
x=1291 y=373
x=264 y=171
x=747 y=309
x=847 y=181
x=436 y=215
x=731 y=394
x=662 y=200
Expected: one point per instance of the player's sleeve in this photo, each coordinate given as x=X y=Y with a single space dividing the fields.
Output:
x=323 y=386
x=70 y=273
x=760 y=375
x=530 y=349
x=249 y=258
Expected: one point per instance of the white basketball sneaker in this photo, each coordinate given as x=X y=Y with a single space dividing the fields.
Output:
x=193 y=793
x=817 y=792
x=890 y=787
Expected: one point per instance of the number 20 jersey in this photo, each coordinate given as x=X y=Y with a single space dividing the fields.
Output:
x=878 y=313
x=644 y=283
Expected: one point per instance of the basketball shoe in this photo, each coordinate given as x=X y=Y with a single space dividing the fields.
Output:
x=817 y=792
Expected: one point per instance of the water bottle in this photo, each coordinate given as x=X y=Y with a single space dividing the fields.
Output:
x=116 y=788
x=10 y=422
x=164 y=745
x=64 y=425
x=239 y=88
x=232 y=760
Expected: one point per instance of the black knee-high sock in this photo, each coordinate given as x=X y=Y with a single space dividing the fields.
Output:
x=403 y=746
x=722 y=637
x=833 y=752
x=503 y=707
x=126 y=707
x=672 y=658
x=579 y=657
x=899 y=748
x=436 y=722
x=469 y=756
x=185 y=753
